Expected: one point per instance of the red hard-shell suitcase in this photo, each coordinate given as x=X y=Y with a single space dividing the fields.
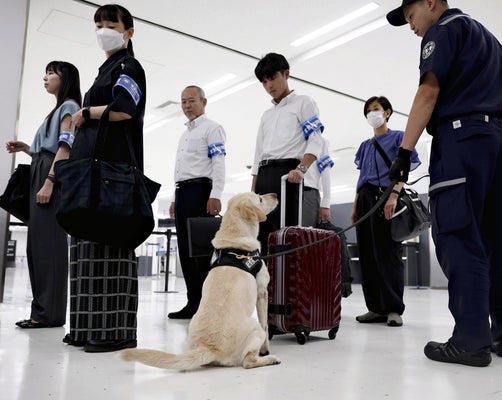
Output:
x=305 y=286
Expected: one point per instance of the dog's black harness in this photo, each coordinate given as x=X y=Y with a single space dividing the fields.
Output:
x=248 y=261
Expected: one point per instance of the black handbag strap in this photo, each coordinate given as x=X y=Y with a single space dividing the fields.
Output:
x=382 y=152
x=99 y=147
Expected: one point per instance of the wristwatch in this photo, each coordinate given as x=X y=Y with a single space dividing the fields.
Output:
x=302 y=168
x=396 y=192
x=86 y=113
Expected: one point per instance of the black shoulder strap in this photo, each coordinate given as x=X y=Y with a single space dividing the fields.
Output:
x=383 y=154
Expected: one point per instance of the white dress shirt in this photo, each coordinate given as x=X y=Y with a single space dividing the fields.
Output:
x=319 y=175
x=289 y=129
x=201 y=154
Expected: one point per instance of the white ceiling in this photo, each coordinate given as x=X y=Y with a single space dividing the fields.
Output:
x=384 y=62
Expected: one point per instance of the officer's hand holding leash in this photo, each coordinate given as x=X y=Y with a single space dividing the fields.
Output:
x=400 y=168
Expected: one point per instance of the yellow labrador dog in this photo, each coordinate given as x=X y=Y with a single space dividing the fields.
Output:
x=223 y=331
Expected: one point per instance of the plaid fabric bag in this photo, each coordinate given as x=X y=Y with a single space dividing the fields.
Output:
x=105 y=202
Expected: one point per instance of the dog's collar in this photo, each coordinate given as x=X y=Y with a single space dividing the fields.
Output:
x=248 y=261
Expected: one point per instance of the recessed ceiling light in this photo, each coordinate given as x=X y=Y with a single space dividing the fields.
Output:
x=233 y=89
x=220 y=81
x=323 y=30
x=358 y=32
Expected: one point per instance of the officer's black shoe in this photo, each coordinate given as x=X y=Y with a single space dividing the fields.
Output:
x=497 y=348
x=449 y=353
x=103 y=346
x=185 y=313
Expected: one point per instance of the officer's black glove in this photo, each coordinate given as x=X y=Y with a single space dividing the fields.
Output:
x=400 y=168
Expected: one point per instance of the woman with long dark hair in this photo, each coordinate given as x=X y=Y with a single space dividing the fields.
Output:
x=47 y=245
x=104 y=280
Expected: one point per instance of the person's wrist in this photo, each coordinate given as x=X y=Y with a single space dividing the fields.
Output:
x=86 y=113
x=302 y=168
x=404 y=154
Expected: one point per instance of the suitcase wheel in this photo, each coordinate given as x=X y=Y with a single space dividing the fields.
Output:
x=300 y=338
x=332 y=332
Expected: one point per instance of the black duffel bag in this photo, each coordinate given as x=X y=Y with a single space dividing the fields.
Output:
x=105 y=202
x=16 y=197
x=411 y=217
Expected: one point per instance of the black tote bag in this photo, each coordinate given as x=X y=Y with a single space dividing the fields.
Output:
x=16 y=197
x=105 y=202
x=201 y=231
x=411 y=217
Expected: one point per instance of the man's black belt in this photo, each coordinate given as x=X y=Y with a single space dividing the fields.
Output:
x=279 y=163
x=192 y=182
x=308 y=189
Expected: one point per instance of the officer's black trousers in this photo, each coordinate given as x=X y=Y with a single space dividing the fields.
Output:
x=269 y=181
x=190 y=202
x=382 y=267
x=466 y=208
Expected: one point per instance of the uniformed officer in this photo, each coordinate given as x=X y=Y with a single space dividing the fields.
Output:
x=460 y=101
x=288 y=141
x=200 y=177
x=318 y=177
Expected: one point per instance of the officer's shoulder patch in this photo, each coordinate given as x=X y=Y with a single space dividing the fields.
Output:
x=428 y=49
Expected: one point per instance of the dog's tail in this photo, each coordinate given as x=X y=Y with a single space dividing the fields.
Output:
x=191 y=359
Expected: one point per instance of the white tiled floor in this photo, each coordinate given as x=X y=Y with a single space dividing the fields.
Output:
x=363 y=362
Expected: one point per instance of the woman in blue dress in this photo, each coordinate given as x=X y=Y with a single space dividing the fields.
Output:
x=380 y=257
x=47 y=244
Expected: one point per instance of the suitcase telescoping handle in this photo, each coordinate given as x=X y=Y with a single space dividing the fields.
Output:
x=284 y=179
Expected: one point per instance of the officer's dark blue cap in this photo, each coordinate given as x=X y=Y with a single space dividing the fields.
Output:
x=396 y=17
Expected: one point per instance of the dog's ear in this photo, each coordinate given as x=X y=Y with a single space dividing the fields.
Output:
x=260 y=214
x=249 y=211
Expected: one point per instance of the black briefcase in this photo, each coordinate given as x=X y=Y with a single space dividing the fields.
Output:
x=105 y=202
x=16 y=198
x=201 y=232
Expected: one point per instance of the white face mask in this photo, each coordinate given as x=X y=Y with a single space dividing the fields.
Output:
x=376 y=119
x=109 y=39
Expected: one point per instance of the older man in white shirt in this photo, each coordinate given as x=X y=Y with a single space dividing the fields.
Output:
x=288 y=142
x=200 y=178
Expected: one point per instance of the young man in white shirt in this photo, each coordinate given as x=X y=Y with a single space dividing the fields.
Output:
x=200 y=177
x=288 y=141
x=317 y=178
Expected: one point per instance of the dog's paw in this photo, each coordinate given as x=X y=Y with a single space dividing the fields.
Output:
x=275 y=360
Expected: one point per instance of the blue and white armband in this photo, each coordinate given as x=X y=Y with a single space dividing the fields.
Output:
x=216 y=149
x=66 y=137
x=324 y=163
x=312 y=125
x=130 y=86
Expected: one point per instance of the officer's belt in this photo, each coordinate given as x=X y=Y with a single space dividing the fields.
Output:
x=192 y=182
x=284 y=162
x=471 y=117
x=248 y=261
